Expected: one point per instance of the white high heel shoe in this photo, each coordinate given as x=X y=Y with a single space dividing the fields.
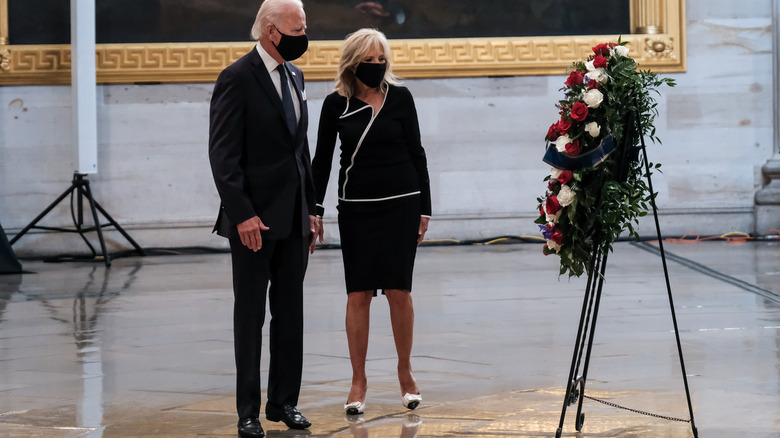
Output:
x=354 y=408
x=411 y=401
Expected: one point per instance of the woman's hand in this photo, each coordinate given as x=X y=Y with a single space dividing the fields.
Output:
x=316 y=231
x=423 y=228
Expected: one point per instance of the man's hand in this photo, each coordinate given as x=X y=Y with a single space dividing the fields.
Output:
x=249 y=232
x=316 y=231
x=423 y=228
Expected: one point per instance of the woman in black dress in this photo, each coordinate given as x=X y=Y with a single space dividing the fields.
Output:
x=384 y=198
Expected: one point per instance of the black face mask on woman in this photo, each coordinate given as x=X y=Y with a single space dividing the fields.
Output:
x=371 y=74
x=291 y=47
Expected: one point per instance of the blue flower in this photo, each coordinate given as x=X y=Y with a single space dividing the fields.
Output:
x=546 y=232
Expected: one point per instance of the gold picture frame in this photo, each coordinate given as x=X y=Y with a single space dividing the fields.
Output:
x=657 y=42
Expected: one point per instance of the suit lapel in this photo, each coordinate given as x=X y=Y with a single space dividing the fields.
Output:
x=262 y=75
x=302 y=122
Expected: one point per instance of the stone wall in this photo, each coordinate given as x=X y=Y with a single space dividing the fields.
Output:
x=483 y=136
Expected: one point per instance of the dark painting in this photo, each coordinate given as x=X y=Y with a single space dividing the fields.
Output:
x=148 y=21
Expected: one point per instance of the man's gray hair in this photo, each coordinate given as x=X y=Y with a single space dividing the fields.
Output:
x=271 y=11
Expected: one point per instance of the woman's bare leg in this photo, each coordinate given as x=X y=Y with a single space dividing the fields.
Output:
x=402 y=320
x=357 y=323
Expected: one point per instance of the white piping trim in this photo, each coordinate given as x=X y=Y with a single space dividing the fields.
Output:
x=360 y=142
x=381 y=199
x=345 y=115
x=346 y=108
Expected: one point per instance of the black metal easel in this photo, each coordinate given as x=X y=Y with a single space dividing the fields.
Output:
x=575 y=388
x=80 y=188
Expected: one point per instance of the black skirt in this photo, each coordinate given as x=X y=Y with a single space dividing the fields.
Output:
x=379 y=243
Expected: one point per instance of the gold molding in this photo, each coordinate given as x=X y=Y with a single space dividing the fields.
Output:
x=662 y=52
x=3 y=22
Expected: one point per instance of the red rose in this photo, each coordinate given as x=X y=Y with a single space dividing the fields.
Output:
x=551 y=184
x=564 y=125
x=579 y=111
x=593 y=85
x=575 y=78
x=600 y=62
x=573 y=148
x=552 y=133
x=552 y=205
x=602 y=49
x=566 y=175
x=557 y=236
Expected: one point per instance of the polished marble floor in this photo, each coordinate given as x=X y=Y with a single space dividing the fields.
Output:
x=144 y=349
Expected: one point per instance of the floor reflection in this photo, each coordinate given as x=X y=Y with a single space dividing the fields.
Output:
x=88 y=306
x=144 y=349
x=9 y=286
x=81 y=315
x=289 y=433
x=360 y=428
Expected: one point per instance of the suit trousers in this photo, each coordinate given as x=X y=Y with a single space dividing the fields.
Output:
x=282 y=263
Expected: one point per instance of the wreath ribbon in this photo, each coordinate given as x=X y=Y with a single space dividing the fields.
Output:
x=592 y=158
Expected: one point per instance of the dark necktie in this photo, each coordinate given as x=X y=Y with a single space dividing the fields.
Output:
x=287 y=102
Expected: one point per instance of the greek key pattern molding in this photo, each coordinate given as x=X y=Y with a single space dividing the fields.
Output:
x=176 y=62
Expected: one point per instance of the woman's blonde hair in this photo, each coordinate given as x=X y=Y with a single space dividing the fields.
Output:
x=356 y=45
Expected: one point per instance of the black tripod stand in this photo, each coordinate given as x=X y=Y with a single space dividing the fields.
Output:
x=575 y=388
x=80 y=188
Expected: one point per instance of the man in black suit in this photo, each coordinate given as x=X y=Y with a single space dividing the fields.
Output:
x=259 y=156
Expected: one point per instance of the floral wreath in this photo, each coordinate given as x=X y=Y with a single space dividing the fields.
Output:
x=595 y=190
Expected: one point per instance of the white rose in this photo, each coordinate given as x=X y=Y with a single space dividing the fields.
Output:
x=593 y=129
x=565 y=196
x=589 y=65
x=598 y=75
x=560 y=143
x=555 y=173
x=553 y=246
x=593 y=98
x=620 y=50
x=553 y=218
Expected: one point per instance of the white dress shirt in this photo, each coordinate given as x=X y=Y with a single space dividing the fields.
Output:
x=271 y=64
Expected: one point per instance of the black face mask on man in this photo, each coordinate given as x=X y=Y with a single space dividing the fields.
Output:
x=291 y=47
x=370 y=73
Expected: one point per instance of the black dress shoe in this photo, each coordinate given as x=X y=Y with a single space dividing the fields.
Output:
x=250 y=428
x=288 y=414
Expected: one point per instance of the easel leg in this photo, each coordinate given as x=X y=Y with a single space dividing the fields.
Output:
x=572 y=394
x=580 y=419
x=668 y=286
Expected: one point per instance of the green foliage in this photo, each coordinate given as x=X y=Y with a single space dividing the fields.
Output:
x=605 y=205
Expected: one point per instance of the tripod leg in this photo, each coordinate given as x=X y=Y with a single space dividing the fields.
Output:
x=77 y=214
x=80 y=185
x=44 y=213
x=120 y=229
x=88 y=193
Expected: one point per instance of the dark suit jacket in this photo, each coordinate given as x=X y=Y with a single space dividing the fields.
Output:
x=259 y=168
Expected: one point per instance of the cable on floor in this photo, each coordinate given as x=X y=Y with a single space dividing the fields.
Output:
x=733 y=237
